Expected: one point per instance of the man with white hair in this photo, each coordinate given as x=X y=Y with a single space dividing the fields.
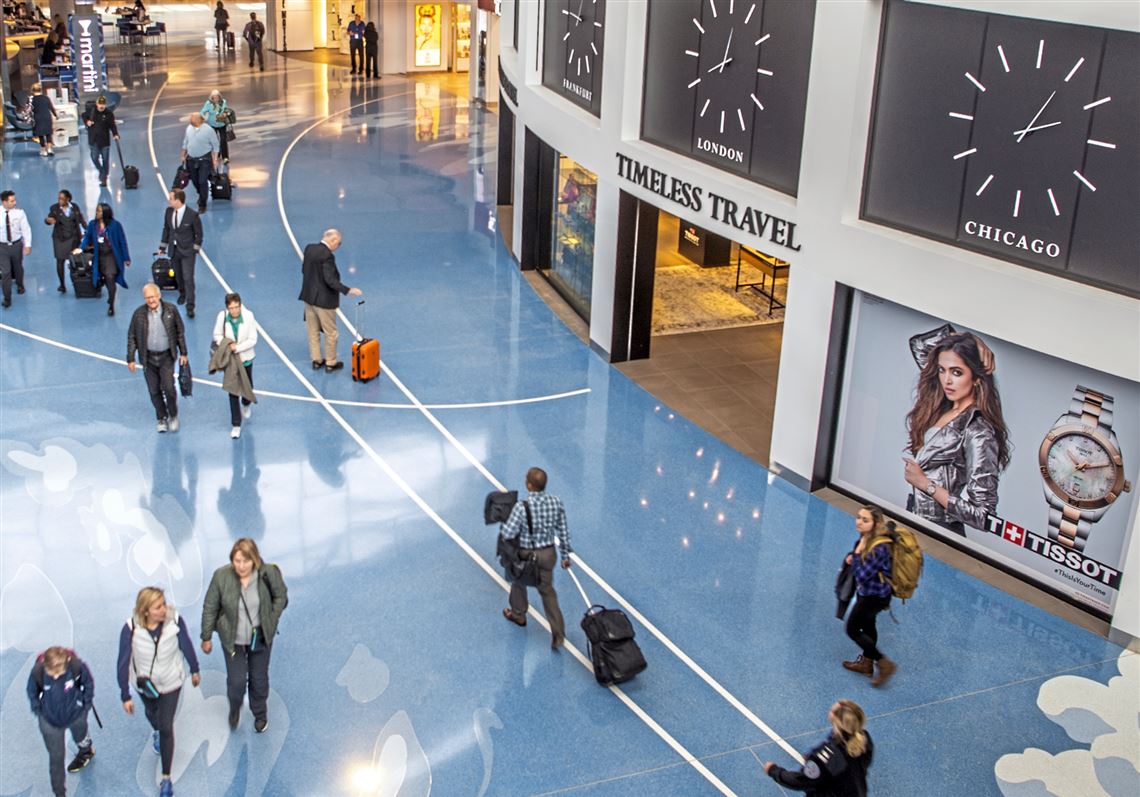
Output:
x=320 y=291
x=200 y=154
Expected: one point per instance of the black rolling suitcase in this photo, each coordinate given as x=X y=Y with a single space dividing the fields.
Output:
x=82 y=277
x=130 y=173
x=220 y=185
x=609 y=634
x=231 y=42
x=162 y=272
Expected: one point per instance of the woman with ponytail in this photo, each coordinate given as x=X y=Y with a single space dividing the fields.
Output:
x=838 y=766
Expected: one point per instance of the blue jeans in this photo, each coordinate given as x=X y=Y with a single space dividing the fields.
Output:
x=101 y=157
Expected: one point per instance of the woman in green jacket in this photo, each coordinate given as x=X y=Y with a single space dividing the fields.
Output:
x=243 y=604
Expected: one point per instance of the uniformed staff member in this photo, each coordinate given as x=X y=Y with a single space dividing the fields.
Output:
x=838 y=767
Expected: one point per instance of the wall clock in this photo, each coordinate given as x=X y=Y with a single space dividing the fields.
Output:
x=573 y=49
x=1021 y=133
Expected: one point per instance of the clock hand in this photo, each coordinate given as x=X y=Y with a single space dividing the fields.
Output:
x=726 y=58
x=721 y=65
x=1036 y=115
x=572 y=14
x=1034 y=129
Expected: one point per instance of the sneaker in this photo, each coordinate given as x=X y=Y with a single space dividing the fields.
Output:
x=260 y=725
x=246 y=411
x=174 y=423
x=162 y=426
x=235 y=432
x=166 y=788
x=82 y=759
x=157 y=744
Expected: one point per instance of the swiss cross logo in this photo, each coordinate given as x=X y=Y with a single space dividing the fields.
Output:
x=1013 y=533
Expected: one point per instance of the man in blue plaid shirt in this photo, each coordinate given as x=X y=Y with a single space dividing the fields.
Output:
x=537 y=535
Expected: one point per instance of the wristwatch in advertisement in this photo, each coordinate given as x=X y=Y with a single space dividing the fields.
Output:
x=1082 y=467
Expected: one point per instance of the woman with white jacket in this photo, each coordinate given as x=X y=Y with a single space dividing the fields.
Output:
x=237 y=328
x=152 y=645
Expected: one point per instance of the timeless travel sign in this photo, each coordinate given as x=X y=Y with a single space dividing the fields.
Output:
x=572 y=50
x=726 y=82
x=1024 y=132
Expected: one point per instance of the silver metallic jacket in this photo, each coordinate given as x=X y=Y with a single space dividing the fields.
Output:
x=962 y=456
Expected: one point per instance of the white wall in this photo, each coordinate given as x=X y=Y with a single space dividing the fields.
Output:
x=972 y=289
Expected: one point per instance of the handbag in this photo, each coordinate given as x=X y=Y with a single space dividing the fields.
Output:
x=229 y=132
x=181 y=177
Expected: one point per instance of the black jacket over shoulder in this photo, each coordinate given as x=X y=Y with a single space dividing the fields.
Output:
x=320 y=279
x=187 y=235
x=136 y=333
x=828 y=771
x=102 y=126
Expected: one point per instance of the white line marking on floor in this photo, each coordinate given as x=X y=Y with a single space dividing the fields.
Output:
x=418 y=500
x=668 y=643
x=294 y=397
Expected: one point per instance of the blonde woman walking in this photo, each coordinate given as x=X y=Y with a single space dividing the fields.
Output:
x=838 y=766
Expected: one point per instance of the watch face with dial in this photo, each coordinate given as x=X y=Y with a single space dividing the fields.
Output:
x=1081 y=467
x=726 y=81
x=572 y=50
x=1020 y=130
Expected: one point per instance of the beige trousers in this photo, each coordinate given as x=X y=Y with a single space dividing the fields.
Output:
x=318 y=320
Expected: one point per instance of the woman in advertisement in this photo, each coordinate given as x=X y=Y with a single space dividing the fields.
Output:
x=958 y=438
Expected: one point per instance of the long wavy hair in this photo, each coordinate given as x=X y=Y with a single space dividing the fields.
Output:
x=848 y=720
x=930 y=402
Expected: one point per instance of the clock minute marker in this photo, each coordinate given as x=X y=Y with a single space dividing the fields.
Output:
x=740 y=116
x=1084 y=180
x=1040 y=52
x=1017 y=203
x=705 y=107
x=592 y=47
x=1092 y=105
x=587 y=65
x=693 y=53
x=567 y=36
x=1073 y=71
x=984 y=185
x=570 y=60
x=712 y=5
x=970 y=151
x=766 y=72
x=759 y=104
x=974 y=80
x=702 y=30
x=763 y=39
x=1053 y=202
x=695 y=82
x=597 y=24
x=1004 y=62
x=749 y=16
x=731 y=7
x=965 y=116
x=1104 y=144
x=722 y=121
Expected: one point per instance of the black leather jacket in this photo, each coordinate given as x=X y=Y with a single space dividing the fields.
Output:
x=136 y=333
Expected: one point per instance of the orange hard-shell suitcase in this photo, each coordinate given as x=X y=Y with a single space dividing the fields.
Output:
x=365 y=354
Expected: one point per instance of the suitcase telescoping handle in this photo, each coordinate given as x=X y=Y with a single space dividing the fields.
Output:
x=359 y=337
x=122 y=163
x=581 y=591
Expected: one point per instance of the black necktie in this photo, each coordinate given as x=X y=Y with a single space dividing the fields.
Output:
x=8 y=224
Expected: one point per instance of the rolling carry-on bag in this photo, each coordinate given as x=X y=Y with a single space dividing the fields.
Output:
x=130 y=173
x=231 y=42
x=82 y=277
x=221 y=187
x=609 y=636
x=365 y=354
x=181 y=177
x=162 y=272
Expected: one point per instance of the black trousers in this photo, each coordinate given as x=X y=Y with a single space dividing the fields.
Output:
x=109 y=271
x=250 y=669
x=159 y=373
x=370 y=63
x=223 y=143
x=237 y=403
x=160 y=713
x=861 y=624
x=355 y=50
x=200 y=169
x=11 y=267
x=183 y=261
x=55 y=740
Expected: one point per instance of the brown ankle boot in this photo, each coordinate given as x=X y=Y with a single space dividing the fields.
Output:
x=886 y=670
x=861 y=665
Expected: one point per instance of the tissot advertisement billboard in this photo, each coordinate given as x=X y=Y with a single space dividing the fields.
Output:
x=1027 y=460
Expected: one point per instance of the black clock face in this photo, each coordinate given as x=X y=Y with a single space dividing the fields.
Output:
x=726 y=81
x=1010 y=136
x=572 y=50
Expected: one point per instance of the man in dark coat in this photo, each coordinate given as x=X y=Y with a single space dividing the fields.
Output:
x=182 y=232
x=157 y=336
x=320 y=291
x=101 y=128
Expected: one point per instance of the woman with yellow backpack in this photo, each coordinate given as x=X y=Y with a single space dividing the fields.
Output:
x=871 y=560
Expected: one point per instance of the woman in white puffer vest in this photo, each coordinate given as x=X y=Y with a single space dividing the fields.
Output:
x=152 y=645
